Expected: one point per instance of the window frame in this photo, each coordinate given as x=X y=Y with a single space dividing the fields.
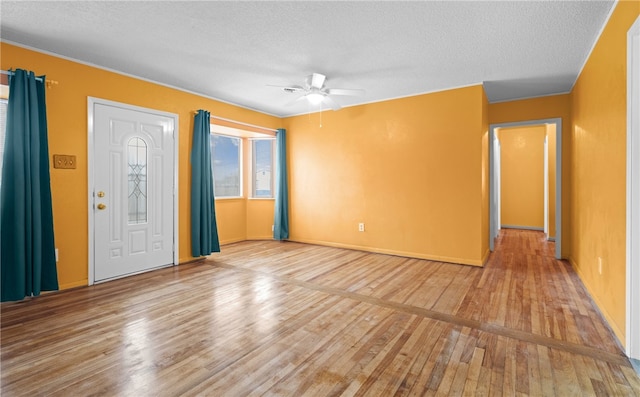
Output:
x=252 y=187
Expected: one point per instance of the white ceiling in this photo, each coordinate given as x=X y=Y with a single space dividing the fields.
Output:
x=231 y=51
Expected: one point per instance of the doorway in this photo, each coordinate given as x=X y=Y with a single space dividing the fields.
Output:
x=633 y=194
x=132 y=190
x=495 y=183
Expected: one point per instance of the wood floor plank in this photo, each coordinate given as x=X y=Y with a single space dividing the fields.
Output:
x=334 y=356
x=510 y=369
x=415 y=378
x=632 y=378
x=288 y=319
x=534 y=377
x=398 y=373
x=437 y=341
x=361 y=383
x=484 y=382
x=453 y=370
x=586 y=386
x=271 y=360
x=473 y=373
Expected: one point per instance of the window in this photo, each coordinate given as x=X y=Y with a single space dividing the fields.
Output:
x=226 y=163
x=262 y=170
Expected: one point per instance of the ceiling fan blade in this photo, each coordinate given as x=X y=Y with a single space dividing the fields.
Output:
x=317 y=80
x=331 y=103
x=296 y=100
x=344 y=91
x=290 y=88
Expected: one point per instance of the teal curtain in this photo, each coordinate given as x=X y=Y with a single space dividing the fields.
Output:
x=26 y=226
x=281 y=221
x=204 y=229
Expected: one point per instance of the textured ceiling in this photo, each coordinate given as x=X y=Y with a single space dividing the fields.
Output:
x=232 y=50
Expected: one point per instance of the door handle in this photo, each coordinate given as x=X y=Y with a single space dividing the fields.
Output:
x=101 y=206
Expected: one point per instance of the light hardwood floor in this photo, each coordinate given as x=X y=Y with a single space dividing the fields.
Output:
x=289 y=319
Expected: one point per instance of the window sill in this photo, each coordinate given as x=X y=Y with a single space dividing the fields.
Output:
x=229 y=198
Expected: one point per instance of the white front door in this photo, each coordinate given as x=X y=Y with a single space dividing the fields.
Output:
x=133 y=205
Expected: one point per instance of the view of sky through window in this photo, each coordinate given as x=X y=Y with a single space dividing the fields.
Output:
x=263 y=168
x=225 y=158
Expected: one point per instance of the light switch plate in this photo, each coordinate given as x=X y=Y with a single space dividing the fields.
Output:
x=67 y=161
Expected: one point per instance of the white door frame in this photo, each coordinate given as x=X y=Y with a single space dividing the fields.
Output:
x=633 y=192
x=494 y=193
x=498 y=172
x=546 y=185
x=91 y=102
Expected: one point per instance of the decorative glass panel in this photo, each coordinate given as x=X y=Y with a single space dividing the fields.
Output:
x=137 y=176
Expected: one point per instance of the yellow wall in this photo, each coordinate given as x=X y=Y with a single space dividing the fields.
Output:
x=260 y=219
x=484 y=227
x=599 y=168
x=231 y=216
x=411 y=169
x=533 y=109
x=522 y=176
x=556 y=106
x=67 y=120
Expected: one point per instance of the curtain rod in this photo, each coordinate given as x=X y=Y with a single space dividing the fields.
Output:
x=240 y=123
x=48 y=83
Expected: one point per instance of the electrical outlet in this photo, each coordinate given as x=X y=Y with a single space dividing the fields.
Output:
x=361 y=227
x=57 y=257
x=273 y=228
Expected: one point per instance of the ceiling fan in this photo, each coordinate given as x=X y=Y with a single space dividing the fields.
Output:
x=315 y=91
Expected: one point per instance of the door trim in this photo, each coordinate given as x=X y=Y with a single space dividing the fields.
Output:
x=546 y=184
x=493 y=212
x=91 y=102
x=632 y=331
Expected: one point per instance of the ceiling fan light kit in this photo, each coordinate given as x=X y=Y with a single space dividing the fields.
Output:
x=314 y=98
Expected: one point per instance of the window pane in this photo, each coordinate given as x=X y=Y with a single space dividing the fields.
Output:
x=137 y=178
x=225 y=157
x=263 y=168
